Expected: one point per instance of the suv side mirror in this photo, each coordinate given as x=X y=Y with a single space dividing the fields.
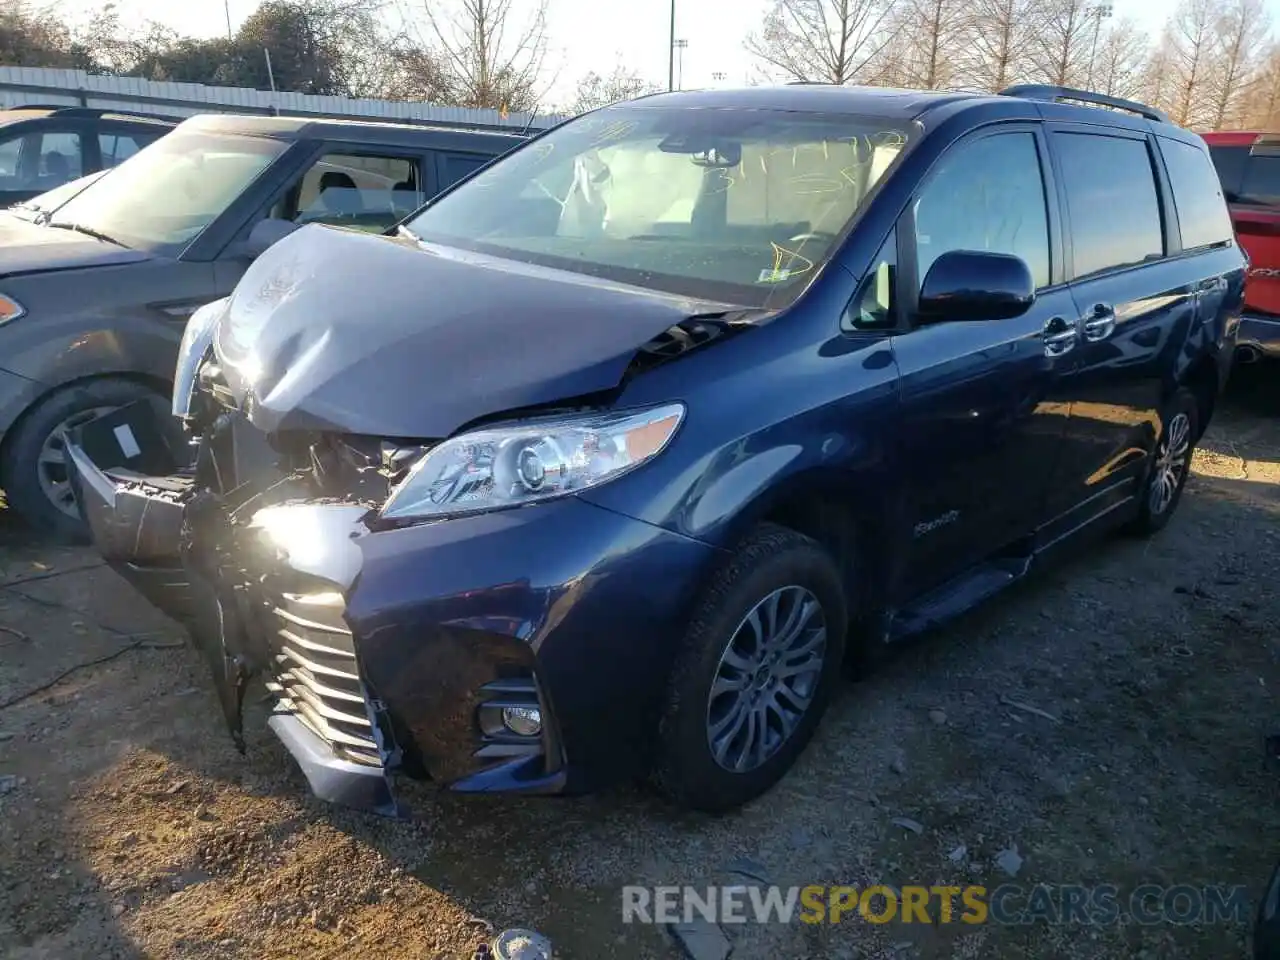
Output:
x=974 y=285
x=267 y=232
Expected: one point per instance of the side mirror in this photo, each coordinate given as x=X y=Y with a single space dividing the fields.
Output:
x=974 y=285
x=267 y=232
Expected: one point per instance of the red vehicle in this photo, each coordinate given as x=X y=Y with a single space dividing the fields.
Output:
x=1249 y=167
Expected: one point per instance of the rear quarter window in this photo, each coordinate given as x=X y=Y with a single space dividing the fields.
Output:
x=1197 y=195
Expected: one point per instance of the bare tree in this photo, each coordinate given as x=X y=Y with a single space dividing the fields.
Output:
x=491 y=58
x=1191 y=37
x=930 y=35
x=1241 y=29
x=1261 y=107
x=1157 y=82
x=596 y=90
x=1000 y=35
x=829 y=41
x=1118 y=68
x=1061 y=51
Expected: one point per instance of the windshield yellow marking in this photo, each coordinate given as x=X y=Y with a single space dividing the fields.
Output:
x=796 y=265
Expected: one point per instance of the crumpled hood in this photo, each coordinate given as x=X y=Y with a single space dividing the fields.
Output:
x=28 y=248
x=338 y=330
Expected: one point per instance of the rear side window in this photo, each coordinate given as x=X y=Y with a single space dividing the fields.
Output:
x=1261 y=181
x=116 y=147
x=1197 y=195
x=1230 y=163
x=1111 y=200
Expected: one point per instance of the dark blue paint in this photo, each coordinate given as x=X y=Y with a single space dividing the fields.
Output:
x=941 y=459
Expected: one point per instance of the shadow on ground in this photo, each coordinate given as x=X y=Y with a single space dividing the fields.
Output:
x=136 y=830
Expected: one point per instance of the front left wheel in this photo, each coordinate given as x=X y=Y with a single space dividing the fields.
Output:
x=35 y=474
x=760 y=660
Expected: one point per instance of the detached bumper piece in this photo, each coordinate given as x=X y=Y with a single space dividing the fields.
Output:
x=280 y=622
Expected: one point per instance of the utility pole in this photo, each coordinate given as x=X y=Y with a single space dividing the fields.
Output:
x=1099 y=12
x=671 y=53
x=680 y=45
x=226 y=6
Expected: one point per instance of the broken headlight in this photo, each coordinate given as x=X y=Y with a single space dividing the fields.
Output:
x=505 y=466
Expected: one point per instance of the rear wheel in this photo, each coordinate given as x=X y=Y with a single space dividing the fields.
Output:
x=34 y=473
x=761 y=658
x=1170 y=464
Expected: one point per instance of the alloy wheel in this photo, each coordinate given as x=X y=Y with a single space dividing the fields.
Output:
x=1172 y=455
x=766 y=679
x=51 y=464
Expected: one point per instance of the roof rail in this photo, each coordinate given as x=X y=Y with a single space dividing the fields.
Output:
x=1042 y=91
x=71 y=110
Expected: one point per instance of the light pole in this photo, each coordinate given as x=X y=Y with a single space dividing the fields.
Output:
x=680 y=45
x=671 y=52
x=1099 y=12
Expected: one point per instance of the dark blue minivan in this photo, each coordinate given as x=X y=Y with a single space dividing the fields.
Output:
x=611 y=457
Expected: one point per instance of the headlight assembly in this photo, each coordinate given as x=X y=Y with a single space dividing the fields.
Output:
x=520 y=463
x=10 y=309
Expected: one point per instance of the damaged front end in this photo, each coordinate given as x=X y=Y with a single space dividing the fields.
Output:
x=252 y=549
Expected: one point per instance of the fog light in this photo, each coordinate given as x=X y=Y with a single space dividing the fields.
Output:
x=525 y=721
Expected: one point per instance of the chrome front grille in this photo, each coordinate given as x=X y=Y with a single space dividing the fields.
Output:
x=316 y=677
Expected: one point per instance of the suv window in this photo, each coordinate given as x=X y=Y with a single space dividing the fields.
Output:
x=118 y=147
x=1261 y=181
x=1111 y=199
x=359 y=190
x=40 y=161
x=1197 y=195
x=459 y=165
x=987 y=195
x=1230 y=162
x=61 y=159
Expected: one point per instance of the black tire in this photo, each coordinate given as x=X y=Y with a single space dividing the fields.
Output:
x=1181 y=416
x=770 y=560
x=20 y=473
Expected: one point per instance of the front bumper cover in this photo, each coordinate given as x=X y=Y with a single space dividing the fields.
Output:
x=567 y=606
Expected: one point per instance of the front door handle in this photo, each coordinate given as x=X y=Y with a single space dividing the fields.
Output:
x=1099 y=324
x=1060 y=336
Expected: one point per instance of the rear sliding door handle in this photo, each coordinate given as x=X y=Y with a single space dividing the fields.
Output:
x=1060 y=336
x=1099 y=324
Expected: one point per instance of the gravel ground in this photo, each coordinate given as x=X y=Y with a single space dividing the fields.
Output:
x=129 y=826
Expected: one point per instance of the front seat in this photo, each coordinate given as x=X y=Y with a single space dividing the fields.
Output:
x=56 y=167
x=339 y=195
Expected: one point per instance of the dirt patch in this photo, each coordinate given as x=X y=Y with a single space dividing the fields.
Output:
x=1106 y=720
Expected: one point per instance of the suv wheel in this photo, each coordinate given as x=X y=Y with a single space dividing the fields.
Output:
x=34 y=473
x=1169 y=466
x=759 y=663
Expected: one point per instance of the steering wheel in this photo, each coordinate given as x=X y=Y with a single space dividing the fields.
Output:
x=815 y=235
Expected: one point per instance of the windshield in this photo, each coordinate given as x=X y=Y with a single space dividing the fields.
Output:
x=52 y=199
x=740 y=206
x=163 y=196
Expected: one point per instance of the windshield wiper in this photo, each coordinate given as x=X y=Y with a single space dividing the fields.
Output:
x=96 y=234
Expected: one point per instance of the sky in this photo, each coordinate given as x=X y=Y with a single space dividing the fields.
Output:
x=592 y=34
